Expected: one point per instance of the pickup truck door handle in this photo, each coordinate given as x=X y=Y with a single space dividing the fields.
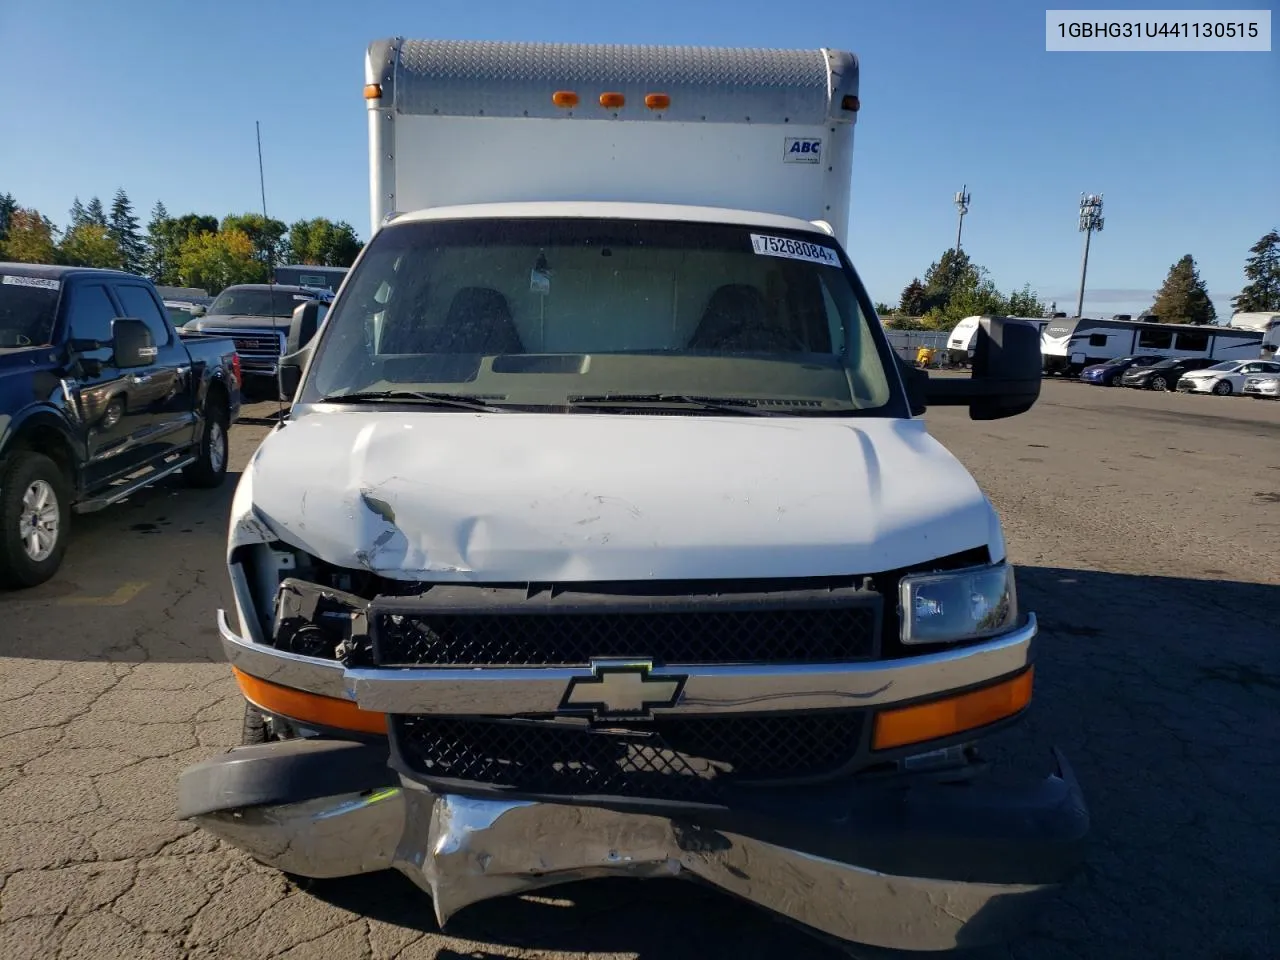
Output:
x=139 y=378
x=184 y=369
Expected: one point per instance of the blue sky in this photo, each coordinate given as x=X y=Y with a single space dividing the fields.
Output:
x=160 y=97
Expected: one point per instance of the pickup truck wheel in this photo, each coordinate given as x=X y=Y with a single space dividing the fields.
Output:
x=210 y=467
x=35 y=515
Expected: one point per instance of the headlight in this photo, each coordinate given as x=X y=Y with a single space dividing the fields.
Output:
x=957 y=605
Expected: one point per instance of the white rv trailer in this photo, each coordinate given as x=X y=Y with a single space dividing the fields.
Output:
x=961 y=339
x=1069 y=344
x=1268 y=323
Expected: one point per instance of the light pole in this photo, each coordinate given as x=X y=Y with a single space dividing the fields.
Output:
x=962 y=204
x=1090 y=220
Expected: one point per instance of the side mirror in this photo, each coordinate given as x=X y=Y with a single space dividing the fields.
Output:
x=306 y=321
x=290 y=371
x=1006 y=372
x=131 y=343
x=916 y=382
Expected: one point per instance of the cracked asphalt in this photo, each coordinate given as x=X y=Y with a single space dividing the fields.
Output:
x=1147 y=532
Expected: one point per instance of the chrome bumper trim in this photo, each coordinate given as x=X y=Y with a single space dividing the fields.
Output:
x=708 y=689
x=462 y=850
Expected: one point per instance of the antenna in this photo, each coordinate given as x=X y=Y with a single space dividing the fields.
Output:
x=271 y=265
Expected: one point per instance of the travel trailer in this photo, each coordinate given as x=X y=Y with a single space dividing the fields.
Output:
x=1069 y=345
x=961 y=339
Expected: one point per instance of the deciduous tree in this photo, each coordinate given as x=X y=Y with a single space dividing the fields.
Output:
x=217 y=260
x=321 y=242
x=267 y=236
x=91 y=245
x=30 y=238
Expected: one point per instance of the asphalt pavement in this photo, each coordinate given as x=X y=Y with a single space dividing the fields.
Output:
x=1146 y=528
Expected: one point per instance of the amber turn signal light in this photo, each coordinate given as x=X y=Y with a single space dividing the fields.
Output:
x=308 y=707
x=657 y=101
x=951 y=715
x=612 y=101
x=564 y=98
x=373 y=91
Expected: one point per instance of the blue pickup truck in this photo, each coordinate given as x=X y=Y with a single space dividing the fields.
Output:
x=99 y=397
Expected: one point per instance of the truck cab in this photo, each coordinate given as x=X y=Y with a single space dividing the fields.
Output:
x=99 y=397
x=604 y=535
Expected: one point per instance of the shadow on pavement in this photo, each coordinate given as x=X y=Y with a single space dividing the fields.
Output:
x=141 y=581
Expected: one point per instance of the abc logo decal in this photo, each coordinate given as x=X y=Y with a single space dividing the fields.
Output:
x=802 y=150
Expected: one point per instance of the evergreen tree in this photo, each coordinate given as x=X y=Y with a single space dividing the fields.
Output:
x=1183 y=298
x=1262 y=270
x=78 y=217
x=94 y=213
x=124 y=230
x=162 y=254
x=912 y=301
x=947 y=276
x=8 y=207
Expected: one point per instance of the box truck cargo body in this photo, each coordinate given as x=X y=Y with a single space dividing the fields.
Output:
x=457 y=122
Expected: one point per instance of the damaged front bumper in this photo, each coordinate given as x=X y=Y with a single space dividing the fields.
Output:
x=922 y=867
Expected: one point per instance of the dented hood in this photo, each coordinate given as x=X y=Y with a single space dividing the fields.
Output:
x=569 y=497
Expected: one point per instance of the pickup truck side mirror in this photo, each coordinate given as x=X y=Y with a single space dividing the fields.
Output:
x=290 y=371
x=132 y=343
x=1006 y=372
x=305 y=322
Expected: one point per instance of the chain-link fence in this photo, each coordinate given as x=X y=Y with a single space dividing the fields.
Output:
x=906 y=343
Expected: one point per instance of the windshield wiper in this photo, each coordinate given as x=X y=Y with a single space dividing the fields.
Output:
x=450 y=400
x=746 y=408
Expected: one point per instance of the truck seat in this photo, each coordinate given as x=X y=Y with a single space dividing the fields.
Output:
x=736 y=320
x=478 y=322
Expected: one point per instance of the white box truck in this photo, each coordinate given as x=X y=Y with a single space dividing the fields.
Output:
x=605 y=536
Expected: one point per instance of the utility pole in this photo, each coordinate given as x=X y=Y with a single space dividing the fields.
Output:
x=1090 y=220
x=962 y=204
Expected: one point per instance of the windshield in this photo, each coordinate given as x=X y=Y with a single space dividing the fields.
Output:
x=1225 y=365
x=27 y=306
x=554 y=313
x=256 y=303
x=1119 y=360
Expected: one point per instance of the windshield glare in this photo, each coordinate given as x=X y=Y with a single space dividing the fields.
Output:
x=26 y=313
x=1225 y=365
x=256 y=303
x=542 y=313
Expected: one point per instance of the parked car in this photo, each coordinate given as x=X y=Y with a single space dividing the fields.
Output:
x=1163 y=375
x=99 y=397
x=1225 y=378
x=1264 y=386
x=1106 y=374
x=257 y=317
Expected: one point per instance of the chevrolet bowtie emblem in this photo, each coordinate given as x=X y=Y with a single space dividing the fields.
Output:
x=622 y=690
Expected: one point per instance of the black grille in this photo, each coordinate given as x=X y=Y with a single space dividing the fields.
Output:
x=262 y=345
x=698 y=636
x=691 y=759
